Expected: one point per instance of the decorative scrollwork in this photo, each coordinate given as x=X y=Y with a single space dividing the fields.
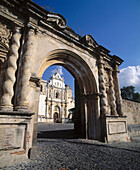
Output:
x=5 y=34
x=58 y=19
x=89 y=40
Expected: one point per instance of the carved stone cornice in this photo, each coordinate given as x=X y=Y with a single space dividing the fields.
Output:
x=89 y=41
x=116 y=69
x=58 y=19
x=104 y=53
x=6 y=13
x=21 y=12
x=117 y=60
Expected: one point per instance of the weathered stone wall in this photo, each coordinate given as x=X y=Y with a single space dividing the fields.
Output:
x=132 y=111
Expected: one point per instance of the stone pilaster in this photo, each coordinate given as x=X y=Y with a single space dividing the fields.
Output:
x=102 y=87
x=8 y=91
x=118 y=92
x=61 y=111
x=24 y=87
x=112 y=94
x=46 y=114
x=51 y=110
x=86 y=116
x=66 y=108
x=47 y=91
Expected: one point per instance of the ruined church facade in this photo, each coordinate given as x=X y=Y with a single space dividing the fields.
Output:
x=31 y=40
x=55 y=101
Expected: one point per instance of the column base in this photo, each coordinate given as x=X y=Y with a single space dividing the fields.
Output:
x=6 y=107
x=21 y=108
x=114 y=129
x=15 y=137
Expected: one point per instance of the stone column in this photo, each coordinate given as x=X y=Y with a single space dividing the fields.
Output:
x=51 y=110
x=118 y=92
x=10 y=78
x=61 y=111
x=47 y=91
x=86 y=115
x=66 y=108
x=112 y=94
x=24 y=87
x=46 y=108
x=102 y=88
x=47 y=115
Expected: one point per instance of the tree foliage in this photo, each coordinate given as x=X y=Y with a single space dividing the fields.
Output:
x=130 y=94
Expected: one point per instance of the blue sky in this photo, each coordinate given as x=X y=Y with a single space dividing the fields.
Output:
x=114 y=24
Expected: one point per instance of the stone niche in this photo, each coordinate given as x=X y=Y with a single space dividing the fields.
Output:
x=115 y=128
x=15 y=137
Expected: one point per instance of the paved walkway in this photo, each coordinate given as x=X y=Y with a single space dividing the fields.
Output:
x=63 y=153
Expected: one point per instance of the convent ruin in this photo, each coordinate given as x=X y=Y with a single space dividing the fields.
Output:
x=31 y=40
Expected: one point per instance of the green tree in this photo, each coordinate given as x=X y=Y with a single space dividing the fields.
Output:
x=129 y=93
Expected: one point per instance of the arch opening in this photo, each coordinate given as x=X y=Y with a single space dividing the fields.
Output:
x=86 y=109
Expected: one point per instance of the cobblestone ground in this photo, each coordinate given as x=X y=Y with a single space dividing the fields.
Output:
x=54 y=153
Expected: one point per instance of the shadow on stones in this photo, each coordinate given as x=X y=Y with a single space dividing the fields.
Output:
x=57 y=134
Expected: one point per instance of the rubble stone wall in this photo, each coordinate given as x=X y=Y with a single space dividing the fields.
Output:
x=132 y=111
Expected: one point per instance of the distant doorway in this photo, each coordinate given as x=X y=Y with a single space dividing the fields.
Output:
x=55 y=117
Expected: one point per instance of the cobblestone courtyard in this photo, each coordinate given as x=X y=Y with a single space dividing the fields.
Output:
x=56 y=150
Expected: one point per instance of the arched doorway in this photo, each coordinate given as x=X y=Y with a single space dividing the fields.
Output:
x=55 y=117
x=86 y=122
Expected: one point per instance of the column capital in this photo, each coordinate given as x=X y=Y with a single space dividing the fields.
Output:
x=116 y=69
x=110 y=70
x=100 y=61
x=17 y=29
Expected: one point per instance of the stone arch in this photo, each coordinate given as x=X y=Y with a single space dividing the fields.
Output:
x=43 y=33
x=87 y=121
x=72 y=62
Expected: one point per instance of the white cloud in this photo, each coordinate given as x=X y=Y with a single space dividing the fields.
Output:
x=58 y=69
x=130 y=76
